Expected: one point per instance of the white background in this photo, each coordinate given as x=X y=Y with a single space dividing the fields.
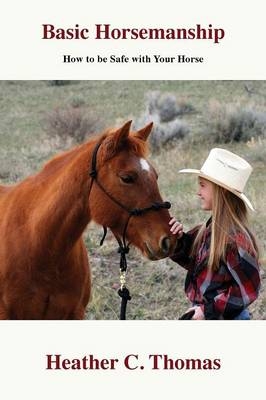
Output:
x=240 y=55
x=240 y=345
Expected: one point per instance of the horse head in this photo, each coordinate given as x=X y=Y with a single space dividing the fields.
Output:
x=127 y=181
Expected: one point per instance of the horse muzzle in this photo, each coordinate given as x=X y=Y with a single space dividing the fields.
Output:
x=164 y=248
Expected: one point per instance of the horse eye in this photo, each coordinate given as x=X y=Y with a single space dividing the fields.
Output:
x=127 y=179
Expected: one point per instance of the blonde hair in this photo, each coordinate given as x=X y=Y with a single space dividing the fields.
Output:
x=229 y=215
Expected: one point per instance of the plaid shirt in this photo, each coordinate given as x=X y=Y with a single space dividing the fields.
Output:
x=224 y=293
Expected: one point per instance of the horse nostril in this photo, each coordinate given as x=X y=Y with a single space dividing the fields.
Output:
x=165 y=244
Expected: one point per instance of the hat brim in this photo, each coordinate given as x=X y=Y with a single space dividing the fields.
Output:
x=209 y=178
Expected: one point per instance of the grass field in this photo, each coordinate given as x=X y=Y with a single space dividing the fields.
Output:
x=156 y=287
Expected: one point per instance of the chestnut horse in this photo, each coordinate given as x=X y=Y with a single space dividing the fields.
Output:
x=44 y=268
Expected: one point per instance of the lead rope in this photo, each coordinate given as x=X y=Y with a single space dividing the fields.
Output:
x=123 y=292
x=123 y=249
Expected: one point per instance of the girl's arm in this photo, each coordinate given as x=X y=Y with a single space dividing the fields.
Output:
x=185 y=241
x=182 y=252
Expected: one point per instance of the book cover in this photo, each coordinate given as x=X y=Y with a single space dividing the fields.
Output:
x=71 y=70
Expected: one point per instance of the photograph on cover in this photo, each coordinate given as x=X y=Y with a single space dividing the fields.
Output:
x=139 y=200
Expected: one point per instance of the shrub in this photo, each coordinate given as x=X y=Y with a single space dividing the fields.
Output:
x=229 y=123
x=71 y=122
x=163 y=110
x=166 y=106
x=164 y=133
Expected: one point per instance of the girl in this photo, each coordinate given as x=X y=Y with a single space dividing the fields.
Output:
x=221 y=256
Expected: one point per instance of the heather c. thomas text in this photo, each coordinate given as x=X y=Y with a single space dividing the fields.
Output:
x=132 y=362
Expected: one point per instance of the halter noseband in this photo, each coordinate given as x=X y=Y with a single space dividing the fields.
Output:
x=123 y=247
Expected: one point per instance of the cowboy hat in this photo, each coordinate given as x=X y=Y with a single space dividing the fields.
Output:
x=227 y=170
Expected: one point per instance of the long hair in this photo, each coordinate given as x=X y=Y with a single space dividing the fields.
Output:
x=229 y=216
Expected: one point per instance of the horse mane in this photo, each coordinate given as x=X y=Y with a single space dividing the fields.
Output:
x=139 y=147
x=133 y=144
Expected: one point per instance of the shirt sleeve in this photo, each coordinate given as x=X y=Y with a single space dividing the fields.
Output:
x=242 y=289
x=182 y=252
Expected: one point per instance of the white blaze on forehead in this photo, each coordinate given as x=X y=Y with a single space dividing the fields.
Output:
x=144 y=164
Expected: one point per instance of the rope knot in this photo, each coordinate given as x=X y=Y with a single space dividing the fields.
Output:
x=136 y=211
x=156 y=206
x=93 y=173
x=123 y=250
x=167 y=205
x=124 y=293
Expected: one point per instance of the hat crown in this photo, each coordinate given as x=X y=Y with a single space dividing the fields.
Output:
x=227 y=168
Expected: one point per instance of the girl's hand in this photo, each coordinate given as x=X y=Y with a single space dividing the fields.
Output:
x=176 y=227
x=199 y=315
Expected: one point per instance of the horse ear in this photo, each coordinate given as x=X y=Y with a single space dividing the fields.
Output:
x=143 y=133
x=120 y=136
x=117 y=140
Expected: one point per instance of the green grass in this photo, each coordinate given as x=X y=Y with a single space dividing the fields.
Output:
x=156 y=287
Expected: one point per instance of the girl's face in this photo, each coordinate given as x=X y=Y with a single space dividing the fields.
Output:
x=205 y=194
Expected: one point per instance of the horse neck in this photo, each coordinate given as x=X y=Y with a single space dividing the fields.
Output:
x=61 y=212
